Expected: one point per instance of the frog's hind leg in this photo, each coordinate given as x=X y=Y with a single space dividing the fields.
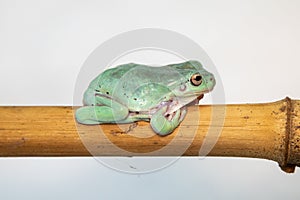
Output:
x=108 y=111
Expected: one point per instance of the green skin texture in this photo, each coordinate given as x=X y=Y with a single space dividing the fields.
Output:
x=134 y=92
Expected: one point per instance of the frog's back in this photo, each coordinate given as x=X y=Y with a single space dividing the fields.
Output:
x=110 y=77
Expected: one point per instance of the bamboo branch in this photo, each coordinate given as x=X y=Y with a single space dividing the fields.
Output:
x=269 y=131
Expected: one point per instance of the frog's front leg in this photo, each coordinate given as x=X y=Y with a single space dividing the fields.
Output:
x=164 y=125
x=107 y=110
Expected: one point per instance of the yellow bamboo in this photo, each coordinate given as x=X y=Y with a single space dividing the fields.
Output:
x=269 y=131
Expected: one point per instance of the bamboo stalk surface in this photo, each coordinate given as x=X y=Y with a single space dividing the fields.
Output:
x=268 y=131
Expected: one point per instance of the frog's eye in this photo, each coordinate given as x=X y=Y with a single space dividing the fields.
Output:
x=196 y=79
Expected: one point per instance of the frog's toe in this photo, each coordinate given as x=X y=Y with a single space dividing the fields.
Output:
x=182 y=113
x=86 y=115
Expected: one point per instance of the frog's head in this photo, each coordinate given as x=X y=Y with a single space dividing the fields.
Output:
x=195 y=80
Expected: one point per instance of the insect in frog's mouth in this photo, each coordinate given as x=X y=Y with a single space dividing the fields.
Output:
x=171 y=107
x=176 y=104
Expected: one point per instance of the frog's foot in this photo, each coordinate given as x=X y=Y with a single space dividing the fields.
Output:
x=164 y=124
x=100 y=114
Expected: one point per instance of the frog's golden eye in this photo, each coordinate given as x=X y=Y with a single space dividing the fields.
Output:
x=196 y=79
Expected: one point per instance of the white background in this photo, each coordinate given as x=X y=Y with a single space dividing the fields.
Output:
x=254 y=44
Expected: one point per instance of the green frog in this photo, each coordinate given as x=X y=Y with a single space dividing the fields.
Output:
x=134 y=92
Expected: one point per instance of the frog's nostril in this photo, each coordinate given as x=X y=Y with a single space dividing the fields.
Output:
x=211 y=79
